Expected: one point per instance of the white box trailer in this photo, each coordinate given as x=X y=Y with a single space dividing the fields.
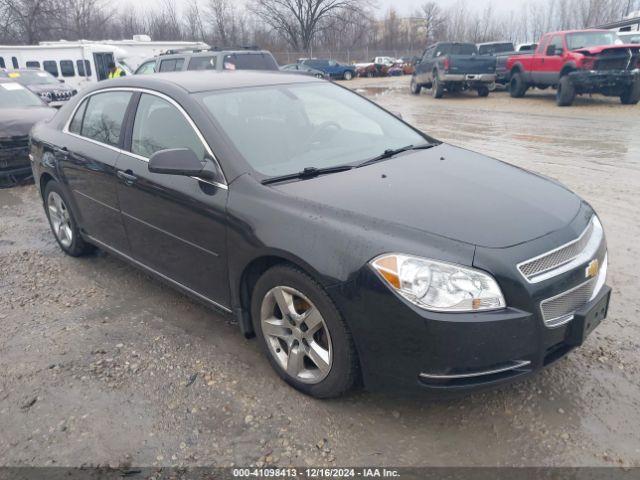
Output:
x=75 y=64
x=131 y=53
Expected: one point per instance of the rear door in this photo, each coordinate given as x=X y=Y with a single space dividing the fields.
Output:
x=88 y=158
x=176 y=224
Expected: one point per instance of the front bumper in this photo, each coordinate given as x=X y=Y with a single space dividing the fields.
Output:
x=14 y=161
x=404 y=347
x=604 y=81
x=469 y=78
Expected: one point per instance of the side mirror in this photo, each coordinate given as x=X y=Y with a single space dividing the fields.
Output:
x=178 y=161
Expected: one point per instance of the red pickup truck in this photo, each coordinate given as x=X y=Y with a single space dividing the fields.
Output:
x=576 y=62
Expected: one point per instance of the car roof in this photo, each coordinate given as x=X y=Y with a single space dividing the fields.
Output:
x=211 y=53
x=208 y=80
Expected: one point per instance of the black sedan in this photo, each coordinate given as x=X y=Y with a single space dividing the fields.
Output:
x=355 y=247
x=19 y=111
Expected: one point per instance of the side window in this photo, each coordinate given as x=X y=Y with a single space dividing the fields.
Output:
x=146 y=68
x=80 y=67
x=171 y=65
x=76 y=123
x=159 y=126
x=87 y=67
x=104 y=116
x=2 y=64
x=557 y=43
x=14 y=62
x=202 y=63
x=50 y=66
x=66 y=68
x=33 y=64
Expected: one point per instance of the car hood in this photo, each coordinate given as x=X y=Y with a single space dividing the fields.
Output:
x=450 y=192
x=17 y=122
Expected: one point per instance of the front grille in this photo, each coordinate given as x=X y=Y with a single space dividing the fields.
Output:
x=617 y=60
x=14 y=142
x=558 y=257
x=560 y=309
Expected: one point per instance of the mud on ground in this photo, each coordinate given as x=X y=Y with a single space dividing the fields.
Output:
x=101 y=365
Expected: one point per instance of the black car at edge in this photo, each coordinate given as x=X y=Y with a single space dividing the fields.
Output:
x=356 y=248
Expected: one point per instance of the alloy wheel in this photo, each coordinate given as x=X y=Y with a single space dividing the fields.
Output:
x=60 y=219
x=296 y=334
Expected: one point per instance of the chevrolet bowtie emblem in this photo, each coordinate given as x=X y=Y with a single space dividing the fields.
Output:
x=592 y=269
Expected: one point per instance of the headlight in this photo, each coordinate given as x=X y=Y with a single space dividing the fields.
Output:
x=439 y=286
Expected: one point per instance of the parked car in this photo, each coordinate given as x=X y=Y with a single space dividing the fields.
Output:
x=20 y=109
x=214 y=59
x=304 y=70
x=578 y=62
x=53 y=92
x=335 y=70
x=354 y=246
x=453 y=67
x=495 y=48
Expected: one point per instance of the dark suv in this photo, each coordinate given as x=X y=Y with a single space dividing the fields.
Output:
x=239 y=59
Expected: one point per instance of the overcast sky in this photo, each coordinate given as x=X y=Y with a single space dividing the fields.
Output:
x=408 y=6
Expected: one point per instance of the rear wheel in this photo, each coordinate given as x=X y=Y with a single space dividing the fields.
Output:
x=483 y=91
x=437 y=88
x=566 y=93
x=63 y=223
x=302 y=333
x=631 y=95
x=415 y=87
x=517 y=85
x=348 y=75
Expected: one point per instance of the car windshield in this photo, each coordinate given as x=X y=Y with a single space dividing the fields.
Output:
x=494 y=48
x=33 y=77
x=283 y=129
x=14 y=95
x=250 y=61
x=579 y=40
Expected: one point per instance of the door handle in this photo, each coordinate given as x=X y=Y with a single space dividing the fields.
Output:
x=127 y=177
x=64 y=151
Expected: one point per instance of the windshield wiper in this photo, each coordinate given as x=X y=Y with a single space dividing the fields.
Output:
x=309 y=172
x=391 y=152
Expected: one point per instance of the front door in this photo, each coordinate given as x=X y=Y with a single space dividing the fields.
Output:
x=176 y=224
x=102 y=61
x=88 y=157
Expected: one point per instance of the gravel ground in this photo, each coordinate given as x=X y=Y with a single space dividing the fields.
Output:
x=101 y=365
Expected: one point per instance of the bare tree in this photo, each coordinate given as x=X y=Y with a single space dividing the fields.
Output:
x=298 y=21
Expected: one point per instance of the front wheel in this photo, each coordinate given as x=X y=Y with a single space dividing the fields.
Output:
x=566 y=93
x=348 y=75
x=302 y=333
x=631 y=94
x=483 y=91
x=415 y=87
x=63 y=223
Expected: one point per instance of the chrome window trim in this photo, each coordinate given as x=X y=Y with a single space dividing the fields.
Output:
x=517 y=364
x=589 y=250
x=65 y=129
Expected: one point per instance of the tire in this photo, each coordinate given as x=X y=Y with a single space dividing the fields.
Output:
x=415 y=87
x=566 y=93
x=63 y=223
x=347 y=75
x=631 y=95
x=517 y=86
x=437 y=89
x=301 y=292
x=483 y=91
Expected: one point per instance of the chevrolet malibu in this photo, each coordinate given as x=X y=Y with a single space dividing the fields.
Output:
x=357 y=249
